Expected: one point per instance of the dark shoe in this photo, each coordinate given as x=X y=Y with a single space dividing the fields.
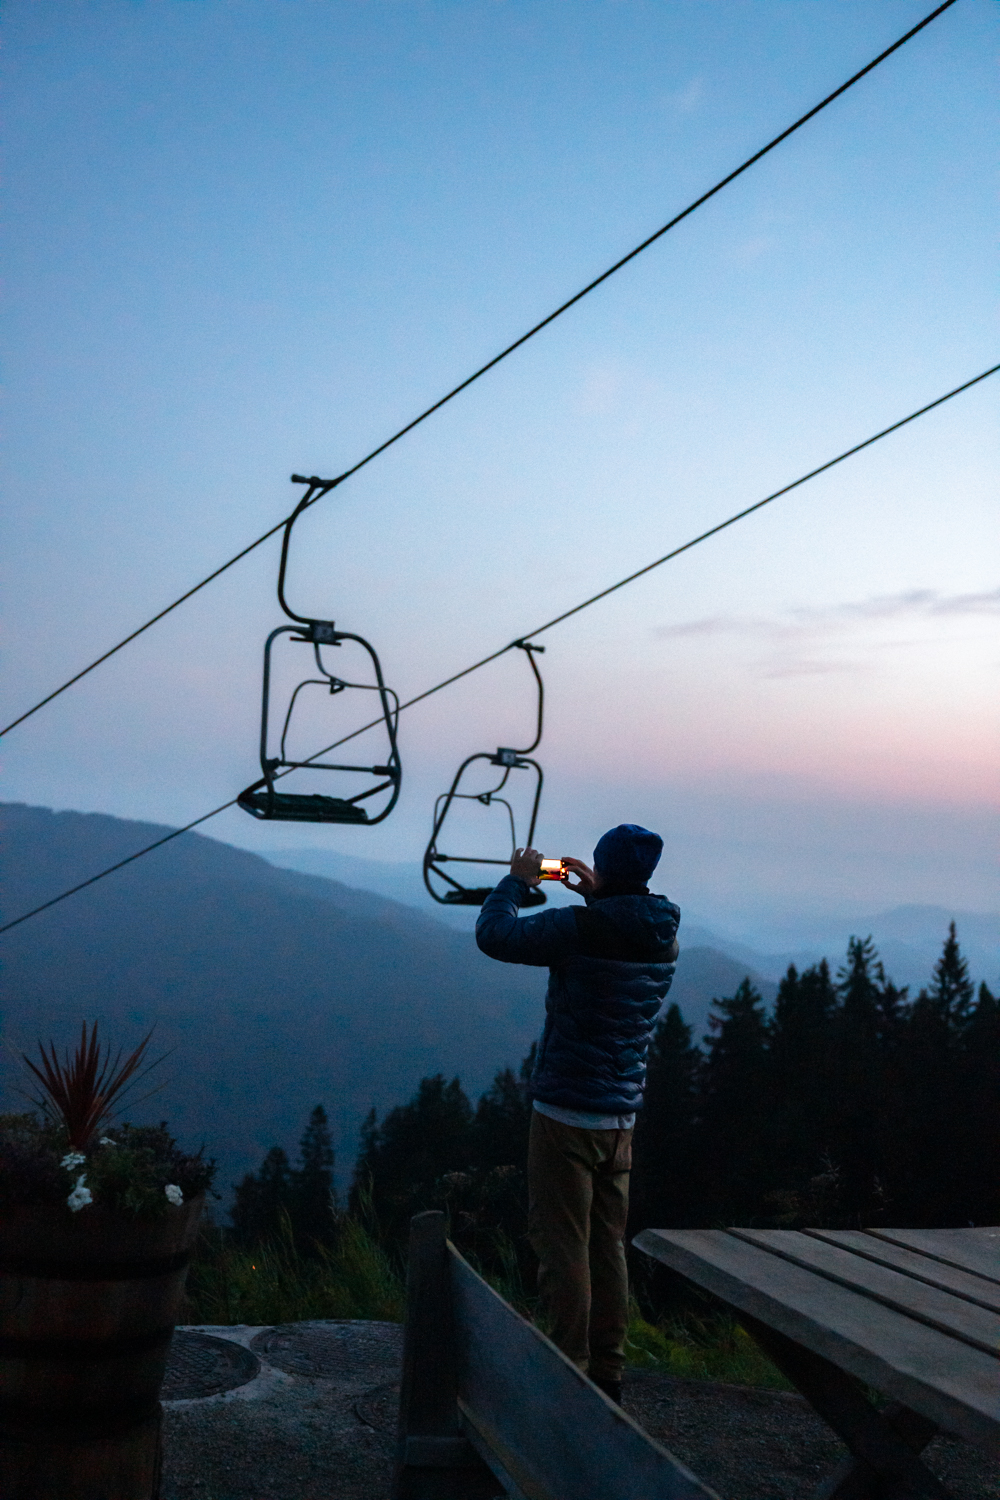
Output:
x=611 y=1388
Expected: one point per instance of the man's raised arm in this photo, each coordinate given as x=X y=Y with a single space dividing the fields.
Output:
x=544 y=940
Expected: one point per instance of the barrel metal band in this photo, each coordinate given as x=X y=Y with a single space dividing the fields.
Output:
x=94 y=1270
x=86 y=1350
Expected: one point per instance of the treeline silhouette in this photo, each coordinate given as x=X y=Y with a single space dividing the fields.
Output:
x=849 y=1104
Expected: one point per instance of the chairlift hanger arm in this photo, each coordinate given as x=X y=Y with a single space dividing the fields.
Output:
x=530 y=650
x=315 y=488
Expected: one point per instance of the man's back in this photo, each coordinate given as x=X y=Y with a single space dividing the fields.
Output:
x=611 y=964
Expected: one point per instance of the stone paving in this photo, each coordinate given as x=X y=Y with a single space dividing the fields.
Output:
x=307 y=1411
x=315 y=1420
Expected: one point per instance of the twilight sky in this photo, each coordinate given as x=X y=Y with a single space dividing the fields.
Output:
x=246 y=238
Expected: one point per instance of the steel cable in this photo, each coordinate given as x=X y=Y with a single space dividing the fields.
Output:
x=324 y=486
x=512 y=645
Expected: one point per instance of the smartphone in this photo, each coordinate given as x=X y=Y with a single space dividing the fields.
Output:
x=553 y=869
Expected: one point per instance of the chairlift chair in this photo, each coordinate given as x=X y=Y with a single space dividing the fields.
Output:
x=262 y=799
x=507 y=760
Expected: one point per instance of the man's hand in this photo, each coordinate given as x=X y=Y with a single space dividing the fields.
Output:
x=587 y=880
x=527 y=865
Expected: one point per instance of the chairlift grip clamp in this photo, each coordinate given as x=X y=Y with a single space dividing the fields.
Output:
x=323 y=633
x=321 y=486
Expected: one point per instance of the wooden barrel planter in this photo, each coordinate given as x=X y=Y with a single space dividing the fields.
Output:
x=88 y=1304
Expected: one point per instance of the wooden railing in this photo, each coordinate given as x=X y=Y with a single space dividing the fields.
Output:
x=490 y=1407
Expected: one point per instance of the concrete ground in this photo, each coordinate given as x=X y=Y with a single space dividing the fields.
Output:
x=310 y=1414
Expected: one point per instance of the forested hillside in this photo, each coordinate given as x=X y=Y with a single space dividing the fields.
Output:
x=271 y=990
x=850 y=1104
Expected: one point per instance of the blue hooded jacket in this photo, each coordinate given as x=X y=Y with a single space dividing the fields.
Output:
x=610 y=965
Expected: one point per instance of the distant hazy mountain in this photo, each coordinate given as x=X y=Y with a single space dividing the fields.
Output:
x=399 y=882
x=909 y=938
x=708 y=966
x=274 y=989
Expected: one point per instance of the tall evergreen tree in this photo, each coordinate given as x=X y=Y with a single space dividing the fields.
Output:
x=501 y=1124
x=314 y=1205
x=858 y=1126
x=975 y=1170
x=666 y=1184
x=262 y=1198
x=929 y=1095
x=734 y=1109
x=403 y=1161
x=952 y=990
x=802 y=1034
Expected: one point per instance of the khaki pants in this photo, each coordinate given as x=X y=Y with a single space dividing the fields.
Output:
x=577 y=1208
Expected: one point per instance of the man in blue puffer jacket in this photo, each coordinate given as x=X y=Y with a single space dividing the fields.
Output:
x=610 y=966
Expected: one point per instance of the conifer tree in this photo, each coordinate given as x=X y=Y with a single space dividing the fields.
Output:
x=502 y=1120
x=952 y=990
x=404 y=1159
x=975 y=1171
x=931 y=1102
x=665 y=1180
x=734 y=1108
x=858 y=1117
x=262 y=1198
x=801 y=1041
x=313 y=1207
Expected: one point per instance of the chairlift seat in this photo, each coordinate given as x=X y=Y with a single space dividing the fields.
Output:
x=475 y=895
x=298 y=807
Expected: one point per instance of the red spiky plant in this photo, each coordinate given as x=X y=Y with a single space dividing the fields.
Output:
x=81 y=1091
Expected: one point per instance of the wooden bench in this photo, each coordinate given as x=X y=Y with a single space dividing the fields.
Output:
x=912 y=1313
x=489 y=1406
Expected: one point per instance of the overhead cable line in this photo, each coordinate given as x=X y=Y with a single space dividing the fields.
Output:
x=521 y=640
x=323 y=486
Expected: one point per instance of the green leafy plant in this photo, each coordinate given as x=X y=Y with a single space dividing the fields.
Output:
x=137 y=1171
x=66 y=1151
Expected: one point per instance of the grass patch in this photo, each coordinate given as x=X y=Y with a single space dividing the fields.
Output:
x=710 y=1348
x=277 y=1283
x=356 y=1278
x=695 y=1347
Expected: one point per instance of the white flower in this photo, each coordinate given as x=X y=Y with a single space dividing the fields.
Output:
x=174 y=1194
x=107 y=1141
x=73 y=1159
x=80 y=1196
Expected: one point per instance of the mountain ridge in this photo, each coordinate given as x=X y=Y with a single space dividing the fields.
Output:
x=276 y=989
x=908 y=937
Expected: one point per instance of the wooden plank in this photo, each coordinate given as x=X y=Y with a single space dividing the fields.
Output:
x=953 y=1315
x=511 y=1490
x=434 y=1461
x=921 y=1267
x=953 y=1384
x=975 y=1250
x=554 y=1433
